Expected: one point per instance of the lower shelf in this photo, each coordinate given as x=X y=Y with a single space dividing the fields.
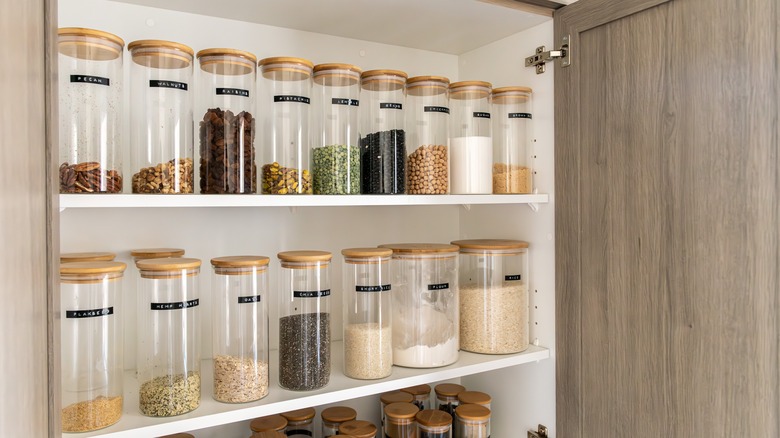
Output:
x=212 y=413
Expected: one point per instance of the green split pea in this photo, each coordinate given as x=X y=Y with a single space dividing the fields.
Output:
x=336 y=170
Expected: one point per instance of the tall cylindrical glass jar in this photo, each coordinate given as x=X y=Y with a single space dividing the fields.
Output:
x=427 y=127
x=300 y=423
x=368 y=349
x=304 y=320
x=240 y=324
x=161 y=117
x=91 y=350
x=425 y=304
x=70 y=257
x=471 y=142
x=512 y=140
x=433 y=423
x=227 y=126
x=285 y=103
x=168 y=336
x=472 y=421
x=90 y=110
x=332 y=418
x=382 y=135
x=336 y=144
x=399 y=420
x=493 y=295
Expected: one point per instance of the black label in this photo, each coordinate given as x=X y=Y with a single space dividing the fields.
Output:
x=520 y=116
x=295 y=432
x=436 y=109
x=249 y=300
x=175 y=306
x=481 y=115
x=299 y=99
x=439 y=286
x=232 y=92
x=90 y=80
x=168 y=84
x=378 y=288
x=311 y=293
x=390 y=105
x=512 y=277
x=340 y=101
x=89 y=313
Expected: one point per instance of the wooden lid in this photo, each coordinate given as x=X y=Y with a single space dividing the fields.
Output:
x=305 y=256
x=70 y=257
x=502 y=90
x=489 y=244
x=179 y=435
x=156 y=253
x=418 y=390
x=368 y=75
x=401 y=410
x=286 y=60
x=337 y=75
x=419 y=248
x=427 y=81
x=338 y=414
x=448 y=389
x=472 y=412
x=161 y=54
x=268 y=434
x=474 y=397
x=160 y=44
x=83 y=31
x=239 y=261
x=92 y=268
x=396 y=397
x=92 y=44
x=366 y=253
x=290 y=68
x=327 y=68
x=227 y=52
x=465 y=84
x=378 y=80
x=358 y=429
x=300 y=414
x=227 y=62
x=271 y=422
x=168 y=264
x=470 y=90
x=433 y=418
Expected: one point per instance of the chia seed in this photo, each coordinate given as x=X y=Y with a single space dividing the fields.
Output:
x=304 y=351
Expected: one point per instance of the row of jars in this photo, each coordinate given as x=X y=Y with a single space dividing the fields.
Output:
x=419 y=135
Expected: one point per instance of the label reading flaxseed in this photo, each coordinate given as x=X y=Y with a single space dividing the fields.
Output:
x=175 y=306
x=249 y=299
x=377 y=288
x=311 y=293
x=91 y=313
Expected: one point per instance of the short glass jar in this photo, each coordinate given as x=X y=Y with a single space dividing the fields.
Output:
x=358 y=429
x=432 y=423
x=447 y=396
x=472 y=421
x=389 y=398
x=333 y=417
x=399 y=420
x=300 y=423
x=422 y=395
x=270 y=422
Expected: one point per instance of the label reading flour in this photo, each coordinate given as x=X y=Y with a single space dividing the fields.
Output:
x=232 y=92
x=249 y=299
x=311 y=293
x=175 y=306
x=89 y=313
x=377 y=288
x=84 y=79
x=439 y=286
x=512 y=277
x=154 y=83
x=286 y=98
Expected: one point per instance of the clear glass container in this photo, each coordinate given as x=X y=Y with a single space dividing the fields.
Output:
x=358 y=429
x=422 y=395
x=304 y=320
x=240 y=328
x=474 y=398
x=332 y=418
x=91 y=344
x=493 y=295
x=368 y=348
x=300 y=423
x=447 y=396
x=425 y=304
x=512 y=140
x=90 y=110
x=427 y=128
x=336 y=148
x=270 y=422
x=226 y=131
x=471 y=142
x=69 y=257
x=168 y=336
x=161 y=117
x=285 y=103
x=432 y=423
x=382 y=135
x=399 y=420
x=390 y=398
x=472 y=421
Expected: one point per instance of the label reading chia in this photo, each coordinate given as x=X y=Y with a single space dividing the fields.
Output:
x=378 y=288
x=89 y=313
x=520 y=116
x=232 y=92
x=299 y=99
x=436 y=109
x=341 y=101
x=175 y=306
x=90 y=79
x=439 y=286
x=481 y=115
x=154 y=83
x=512 y=277
x=311 y=293
x=390 y=105
x=249 y=300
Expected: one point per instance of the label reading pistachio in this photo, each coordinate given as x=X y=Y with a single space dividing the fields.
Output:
x=299 y=99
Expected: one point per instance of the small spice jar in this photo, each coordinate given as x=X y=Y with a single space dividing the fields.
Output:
x=270 y=422
x=382 y=135
x=389 y=398
x=471 y=142
x=368 y=348
x=332 y=418
x=474 y=398
x=240 y=323
x=472 y=421
x=399 y=420
x=227 y=127
x=161 y=117
x=428 y=116
x=512 y=140
x=447 y=396
x=90 y=110
x=336 y=148
x=91 y=345
x=304 y=320
x=285 y=101
x=70 y=257
x=493 y=295
x=425 y=304
x=358 y=429
x=300 y=423
x=422 y=395
x=168 y=336
x=432 y=423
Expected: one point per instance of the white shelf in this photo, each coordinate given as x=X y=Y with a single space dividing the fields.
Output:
x=212 y=413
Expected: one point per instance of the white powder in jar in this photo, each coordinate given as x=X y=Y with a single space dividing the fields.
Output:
x=368 y=352
x=423 y=356
x=471 y=165
x=494 y=320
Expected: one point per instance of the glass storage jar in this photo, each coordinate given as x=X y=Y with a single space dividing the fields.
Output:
x=240 y=324
x=382 y=135
x=336 y=144
x=300 y=423
x=432 y=423
x=472 y=421
x=304 y=320
x=227 y=126
x=90 y=110
x=471 y=142
x=425 y=304
x=447 y=396
x=284 y=102
x=493 y=295
x=389 y=398
x=70 y=257
x=91 y=348
x=161 y=117
x=368 y=348
x=270 y=422
x=474 y=398
x=168 y=336
x=358 y=429
x=399 y=420
x=512 y=140
x=422 y=395
x=332 y=418
x=427 y=127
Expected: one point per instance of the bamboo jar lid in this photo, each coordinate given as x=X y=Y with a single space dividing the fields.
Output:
x=268 y=434
x=70 y=257
x=227 y=62
x=168 y=267
x=271 y=422
x=470 y=90
x=472 y=412
x=396 y=397
x=401 y=411
x=91 y=268
x=286 y=68
x=358 y=429
x=91 y=44
x=179 y=435
x=337 y=75
x=474 y=397
x=156 y=253
x=433 y=418
x=383 y=80
x=300 y=414
x=448 y=389
x=419 y=248
x=366 y=255
x=490 y=244
x=427 y=85
x=161 y=54
x=240 y=261
x=338 y=414
x=418 y=390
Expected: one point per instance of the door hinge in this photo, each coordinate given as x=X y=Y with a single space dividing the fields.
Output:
x=541 y=432
x=543 y=56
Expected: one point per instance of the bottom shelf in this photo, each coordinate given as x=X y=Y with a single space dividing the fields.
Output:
x=212 y=413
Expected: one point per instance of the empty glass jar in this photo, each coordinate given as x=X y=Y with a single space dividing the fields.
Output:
x=471 y=142
x=428 y=116
x=512 y=140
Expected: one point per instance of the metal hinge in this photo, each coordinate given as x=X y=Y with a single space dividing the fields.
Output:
x=544 y=56
x=541 y=432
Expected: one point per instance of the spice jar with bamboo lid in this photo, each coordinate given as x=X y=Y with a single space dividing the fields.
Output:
x=100 y=256
x=270 y=422
x=399 y=420
x=433 y=423
x=358 y=429
x=422 y=395
x=447 y=396
x=428 y=117
x=474 y=398
x=472 y=421
x=332 y=418
x=512 y=140
x=300 y=423
x=389 y=398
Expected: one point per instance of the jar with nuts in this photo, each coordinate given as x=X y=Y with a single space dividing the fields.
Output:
x=428 y=113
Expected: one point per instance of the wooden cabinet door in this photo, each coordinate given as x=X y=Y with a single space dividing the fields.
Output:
x=667 y=195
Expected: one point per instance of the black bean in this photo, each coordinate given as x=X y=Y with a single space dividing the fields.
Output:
x=383 y=162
